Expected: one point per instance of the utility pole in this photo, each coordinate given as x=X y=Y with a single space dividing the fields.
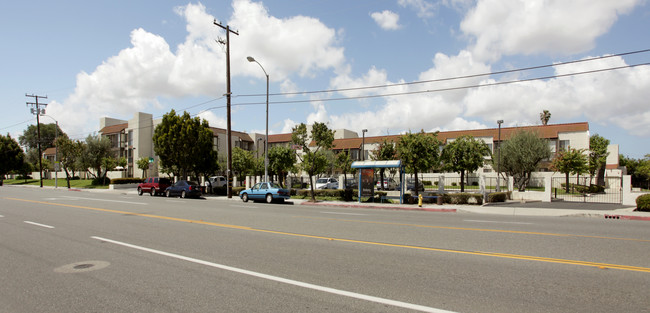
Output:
x=228 y=94
x=36 y=109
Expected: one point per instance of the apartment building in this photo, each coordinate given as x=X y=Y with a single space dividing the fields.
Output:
x=132 y=139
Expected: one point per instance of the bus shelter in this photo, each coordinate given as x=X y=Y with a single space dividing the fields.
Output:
x=366 y=176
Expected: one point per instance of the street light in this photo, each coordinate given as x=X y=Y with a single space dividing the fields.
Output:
x=499 y=158
x=266 y=141
x=363 y=144
x=56 y=152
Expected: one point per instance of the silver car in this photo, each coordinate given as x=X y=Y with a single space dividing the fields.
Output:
x=326 y=183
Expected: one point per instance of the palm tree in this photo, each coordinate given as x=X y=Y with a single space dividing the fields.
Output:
x=545 y=116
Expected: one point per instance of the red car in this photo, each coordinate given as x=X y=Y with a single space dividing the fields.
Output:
x=154 y=185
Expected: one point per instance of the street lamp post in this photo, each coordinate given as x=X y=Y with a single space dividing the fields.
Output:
x=56 y=152
x=363 y=144
x=266 y=141
x=499 y=158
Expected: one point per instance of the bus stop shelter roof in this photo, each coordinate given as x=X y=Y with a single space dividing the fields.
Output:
x=377 y=164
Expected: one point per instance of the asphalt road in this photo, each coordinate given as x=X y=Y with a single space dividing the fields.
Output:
x=63 y=251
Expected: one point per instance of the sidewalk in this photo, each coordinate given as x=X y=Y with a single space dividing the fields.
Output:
x=514 y=208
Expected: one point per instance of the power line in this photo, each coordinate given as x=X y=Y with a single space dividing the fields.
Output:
x=449 y=78
x=445 y=89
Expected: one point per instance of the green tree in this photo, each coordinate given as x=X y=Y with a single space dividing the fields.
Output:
x=598 y=158
x=184 y=145
x=281 y=161
x=313 y=161
x=465 y=154
x=11 y=155
x=243 y=162
x=143 y=164
x=344 y=162
x=572 y=161
x=419 y=152
x=29 y=139
x=385 y=151
x=69 y=156
x=545 y=116
x=96 y=155
x=521 y=155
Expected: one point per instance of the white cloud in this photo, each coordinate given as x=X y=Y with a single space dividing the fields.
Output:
x=139 y=76
x=213 y=119
x=424 y=8
x=509 y=27
x=386 y=19
x=610 y=98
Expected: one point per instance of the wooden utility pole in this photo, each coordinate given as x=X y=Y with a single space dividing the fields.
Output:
x=37 y=110
x=228 y=94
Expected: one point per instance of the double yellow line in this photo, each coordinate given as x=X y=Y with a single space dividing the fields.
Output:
x=480 y=253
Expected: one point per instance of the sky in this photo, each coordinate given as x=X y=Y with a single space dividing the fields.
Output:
x=388 y=66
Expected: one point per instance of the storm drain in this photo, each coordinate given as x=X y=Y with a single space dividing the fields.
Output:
x=81 y=267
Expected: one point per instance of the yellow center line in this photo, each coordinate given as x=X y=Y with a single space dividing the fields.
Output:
x=473 y=229
x=481 y=253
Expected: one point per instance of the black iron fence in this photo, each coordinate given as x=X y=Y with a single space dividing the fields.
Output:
x=584 y=189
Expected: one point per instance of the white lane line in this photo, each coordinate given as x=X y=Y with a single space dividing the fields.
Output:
x=38 y=224
x=343 y=213
x=2 y=216
x=282 y=280
x=105 y=200
x=244 y=206
x=499 y=222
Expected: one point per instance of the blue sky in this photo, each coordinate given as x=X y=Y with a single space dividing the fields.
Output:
x=115 y=58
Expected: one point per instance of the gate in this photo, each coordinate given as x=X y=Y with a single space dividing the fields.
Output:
x=581 y=189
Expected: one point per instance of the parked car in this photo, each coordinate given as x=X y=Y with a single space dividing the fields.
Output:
x=215 y=182
x=154 y=185
x=267 y=191
x=410 y=184
x=389 y=184
x=326 y=183
x=184 y=189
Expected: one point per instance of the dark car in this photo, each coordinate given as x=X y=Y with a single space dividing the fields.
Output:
x=184 y=189
x=154 y=185
x=410 y=184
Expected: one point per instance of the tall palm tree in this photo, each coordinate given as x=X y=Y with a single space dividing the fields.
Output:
x=545 y=116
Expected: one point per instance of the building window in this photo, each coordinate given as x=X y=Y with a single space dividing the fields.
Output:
x=130 y=138
x=552 y=144
x=564 y=145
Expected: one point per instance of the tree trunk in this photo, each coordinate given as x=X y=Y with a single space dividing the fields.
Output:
x=462 y=181
x=311 y=186
x=381 y=177
x=415 y=187
x=566 y=175
x=600 y=180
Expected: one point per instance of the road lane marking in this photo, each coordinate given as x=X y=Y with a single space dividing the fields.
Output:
x=480 y=253
x=473 y=229
x=343 y=213
x=297 y=283
x=2 y=216
x=497 y=222
x=38 y=224
x=106 y=200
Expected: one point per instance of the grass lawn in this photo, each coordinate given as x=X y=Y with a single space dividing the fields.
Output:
x=79 y=183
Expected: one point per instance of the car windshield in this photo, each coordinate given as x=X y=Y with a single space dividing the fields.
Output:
x=274 y=185
x=321 y=181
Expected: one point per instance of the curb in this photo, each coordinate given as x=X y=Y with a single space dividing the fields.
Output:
x=627 y=217
x=381 y=207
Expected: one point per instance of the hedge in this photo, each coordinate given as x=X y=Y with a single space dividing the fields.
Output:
x=129 y=180
x=643 y=203
x=497 y=197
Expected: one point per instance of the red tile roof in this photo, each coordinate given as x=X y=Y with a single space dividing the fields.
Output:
x=113 y=129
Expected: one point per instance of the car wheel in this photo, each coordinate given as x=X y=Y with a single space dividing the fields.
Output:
x=269 y=198
x=152 y=192
x=139 y=191
x=244 y=197
x=168 y=194
x=183 y=195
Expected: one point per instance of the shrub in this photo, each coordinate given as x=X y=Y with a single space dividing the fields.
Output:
x=454 y=184
x=497 y=197
x=426 y=182
x=128 y=180
x=474 y=183
x=643 y=203
x=436 y=183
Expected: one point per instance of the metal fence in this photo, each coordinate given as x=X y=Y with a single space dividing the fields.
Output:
x=583 y=189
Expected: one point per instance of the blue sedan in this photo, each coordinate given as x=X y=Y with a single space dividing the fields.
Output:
x=267 y=191
x=183 y=188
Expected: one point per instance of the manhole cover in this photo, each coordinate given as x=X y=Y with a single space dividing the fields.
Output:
x=81 y=267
